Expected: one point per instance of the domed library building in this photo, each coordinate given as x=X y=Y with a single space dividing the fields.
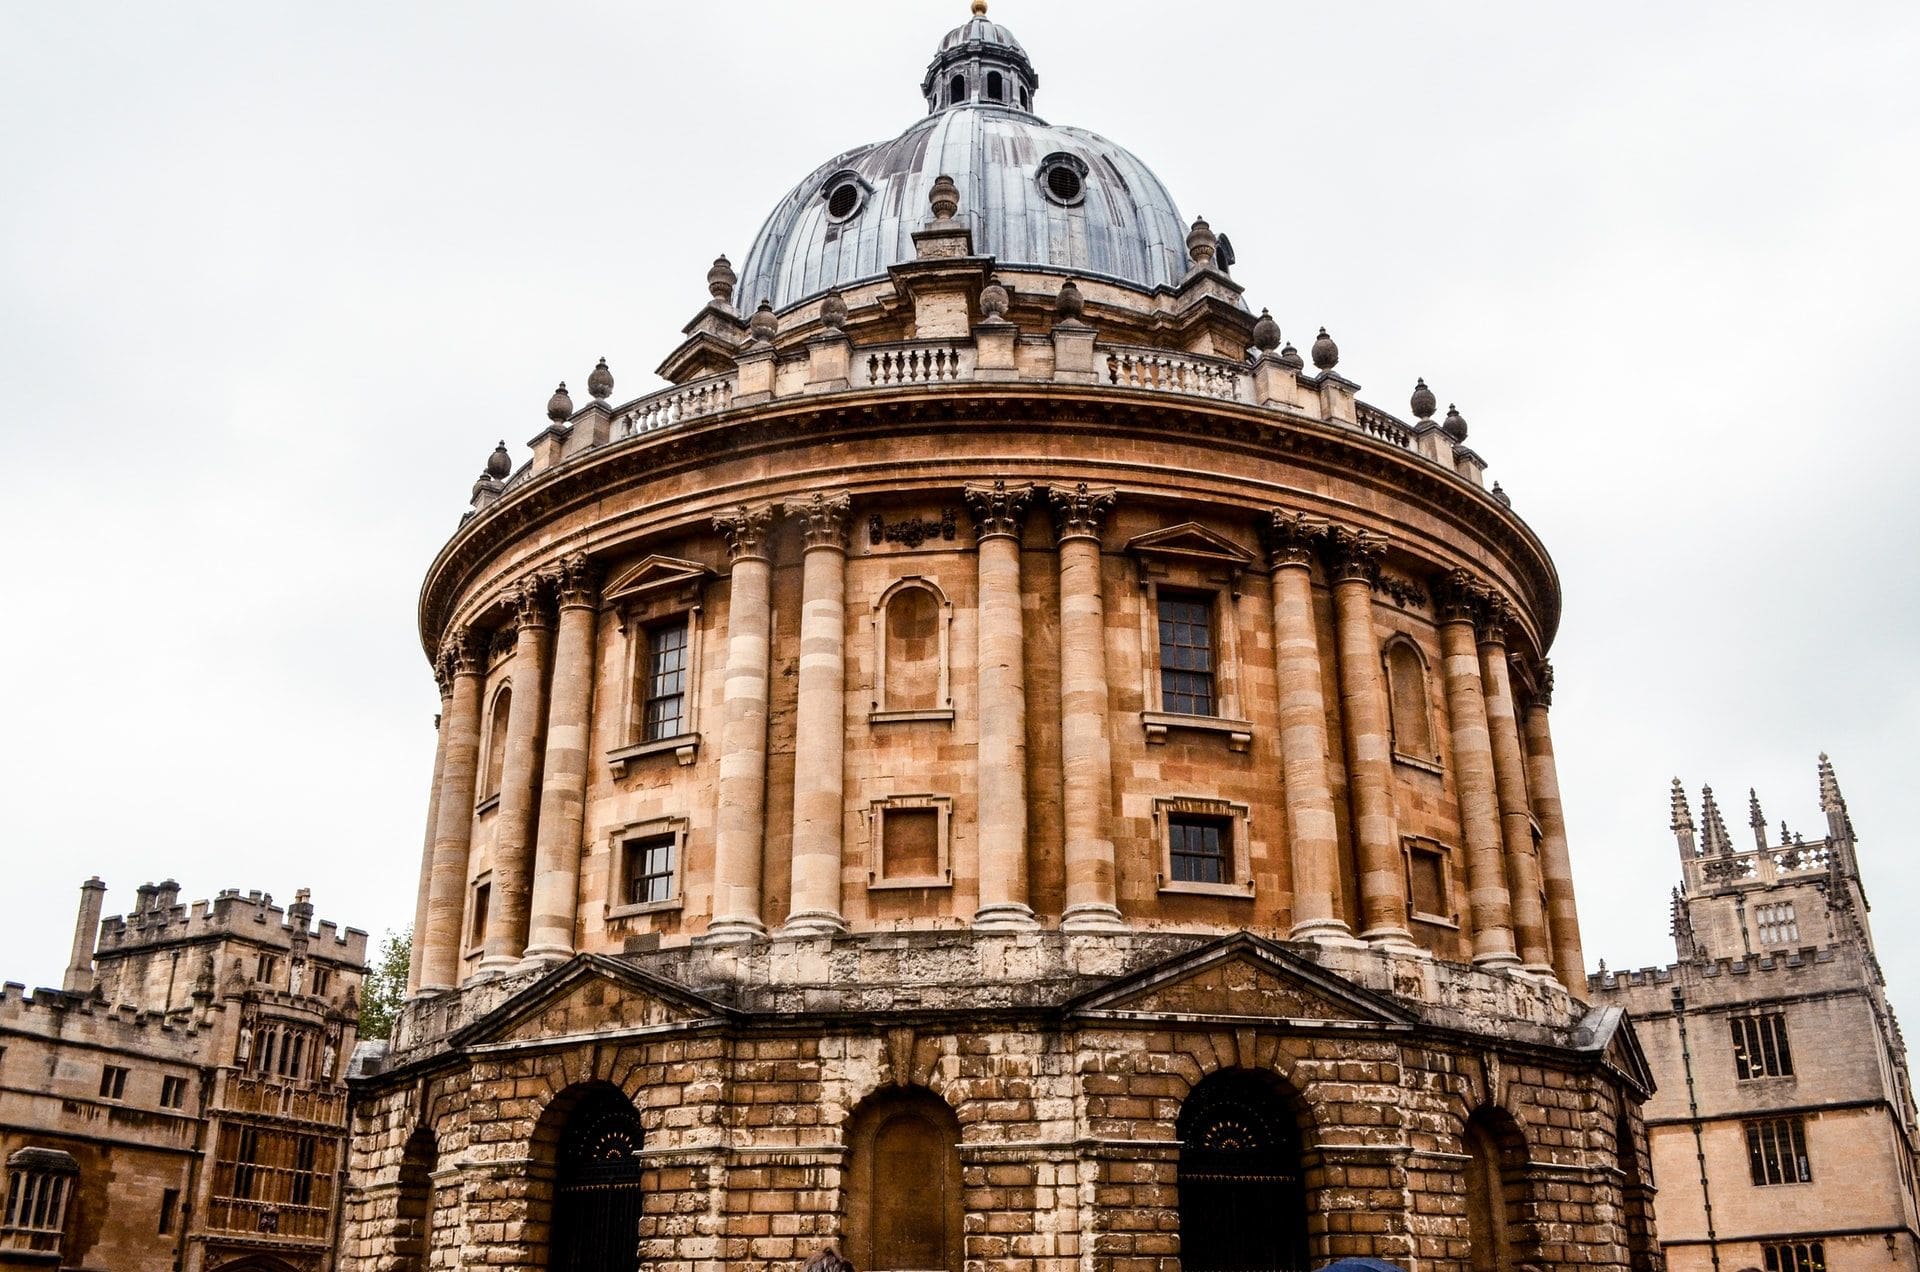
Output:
x=1003 y=763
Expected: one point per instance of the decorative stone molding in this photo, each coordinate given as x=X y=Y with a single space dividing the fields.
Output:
x=998 y=508
x=746 y=529
x=1543 y=684
x=1354 y=555
x=529 y=599
x=913 y=531
x=823 y=520
x=1080 y=513
x=576 y=582
x=1496 y=612
x=460 y=653
x=1290 y=538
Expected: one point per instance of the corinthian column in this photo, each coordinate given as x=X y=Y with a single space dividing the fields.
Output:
x=418 y=952
x=563 y=788
x=506 y=939
x=1312 y=830
x=1488 y=903
x=820 y=720
x=998 y=513
x=1510 y=777
x=1354 y=557
x=740 y=832
x=1086 y=750
x=453 y=834
x=1569 y=961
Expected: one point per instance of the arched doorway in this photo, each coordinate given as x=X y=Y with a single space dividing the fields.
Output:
x=903 y=1184
x=1243 y=1200
x=413 y=1215
x=596 y=1190
x=1496 y=1191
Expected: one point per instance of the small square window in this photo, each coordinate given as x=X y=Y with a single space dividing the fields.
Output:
x=1200 y=848
x=1203 y=846
x=1429 y=894
x=1777 y=1151
x=113 y=1082
x=649 y=870
x=173 y=1092
x=645 y=861
x=908 y=837
x=1760 y=1047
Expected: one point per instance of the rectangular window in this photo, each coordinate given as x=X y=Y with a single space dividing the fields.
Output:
x=264 y=967
x=1427 y=881
x=303 y=1155
x=173 y=1093
x=665 y=699
x=113 y=1082
x=1200 y=849
x=320 y=978
x=649 y=870
x=246 y=1171
x=910 y=839
x=1777 y=924
x=1186 y=655
x=482 y=898
x=169 y=1204
x=1777 y=1152
x=1760 y=1047
x=1796 y=1256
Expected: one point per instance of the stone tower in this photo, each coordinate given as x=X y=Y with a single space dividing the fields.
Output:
x=1002 y=762
x=1783 y=1132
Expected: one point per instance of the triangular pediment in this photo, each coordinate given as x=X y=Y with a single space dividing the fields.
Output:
x=654 y=575
x=1191 y=541
x=1609 y=1030
x=1242 y=977
x=591 y=996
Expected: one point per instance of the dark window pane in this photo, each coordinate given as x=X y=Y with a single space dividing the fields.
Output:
x=666 y=683
x=1186 y=655
x=650 y=870
x=1199 y=849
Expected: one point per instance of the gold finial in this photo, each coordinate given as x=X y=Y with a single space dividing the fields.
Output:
x=979 y=8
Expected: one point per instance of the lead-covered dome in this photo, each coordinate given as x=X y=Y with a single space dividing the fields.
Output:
x=1034 y=194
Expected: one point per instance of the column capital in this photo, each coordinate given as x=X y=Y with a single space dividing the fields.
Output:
x=1458 y=597
x=529 y=598
x=1496 y=612
x=1353 y=556
x=460 y=654
x=1080 y=513
x=746 y=529
x=1290 y=538
x=997 y=508
x=576 y=582
x=823 y=520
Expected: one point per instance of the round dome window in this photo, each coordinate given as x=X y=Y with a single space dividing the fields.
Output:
x=845 y=195
x=1063 y=179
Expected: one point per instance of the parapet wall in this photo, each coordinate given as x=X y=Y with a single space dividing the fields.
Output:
x=251 y=916
x=73 y=1019
x=1809 y=970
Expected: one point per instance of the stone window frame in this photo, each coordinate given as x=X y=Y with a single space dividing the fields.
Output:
x=173 y=1091
x=479 y=913
x=1760 y=1047
x=40 y=1186
x=1799 y=1255
x=618 y=843
x=877 y=809
x=1777 y=1146
x=877 y=622
x=1412 y=759
x=1190 y=560
x=1411 y=844
x=1238 y=817
x=113 y=1081
x=492 y=736
x=651 y=595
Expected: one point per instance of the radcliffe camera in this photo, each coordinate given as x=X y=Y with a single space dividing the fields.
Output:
x=1005 y=725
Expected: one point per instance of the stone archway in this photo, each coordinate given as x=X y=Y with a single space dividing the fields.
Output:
x=1243 y=1197
x=596 y=1211
x=904 y=1208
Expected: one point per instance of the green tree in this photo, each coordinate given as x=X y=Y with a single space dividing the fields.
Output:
x=385 y=984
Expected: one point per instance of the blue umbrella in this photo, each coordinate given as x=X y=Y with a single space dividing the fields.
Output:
x=1362 y=1265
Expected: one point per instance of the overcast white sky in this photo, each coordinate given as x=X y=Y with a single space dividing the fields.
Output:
x=273 y=280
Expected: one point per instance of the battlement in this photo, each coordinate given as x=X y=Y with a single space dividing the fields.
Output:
x=80 y=1018
x=1809 y=969
x=159 y=920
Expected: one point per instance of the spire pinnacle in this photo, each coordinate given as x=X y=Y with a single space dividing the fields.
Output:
x=1715 y=827
x=1756 y=819
x=1682 y=821
x=1833 y=803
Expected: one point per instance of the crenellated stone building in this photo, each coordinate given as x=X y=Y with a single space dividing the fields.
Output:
x=179 y=1104
x=997 y=764
x=1783 y=1132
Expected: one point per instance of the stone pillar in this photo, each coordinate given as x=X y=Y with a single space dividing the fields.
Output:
x=419 y=945
x=741 y=831
x=1563 y=919
x=447 y=897
x=86 y=934
x=1313 y=834
x=820 y=720
x=1510 y=780
x=1354 y=557
x=563 y=789
x=513 y=827
x=1489 y=905
x=1086 y=749
x=998 y=513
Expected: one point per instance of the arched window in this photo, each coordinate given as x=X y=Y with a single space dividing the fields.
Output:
x=903 y=1183
x=1026 y=99
x=1636 y=1198
x=497 y=740
x=912 y=623
x=995 y=89
x=413 y=1217
x=1411 y=703
x=1243 y=1197
x=596 y=1193
x=1496 y=1191
x=956 y=90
